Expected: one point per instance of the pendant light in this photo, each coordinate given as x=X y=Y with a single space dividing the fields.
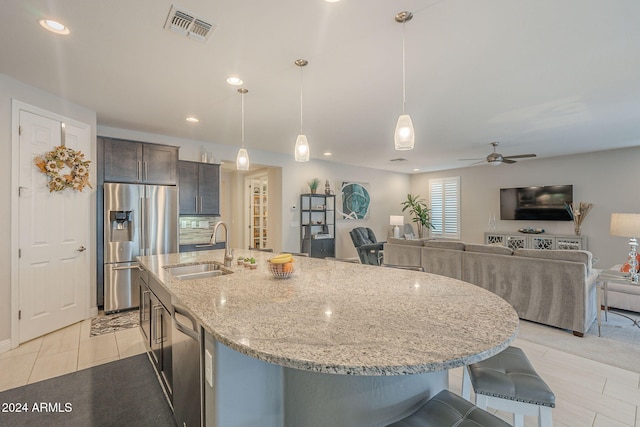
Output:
x=242 y=161
x=302 y=145
x=404 y=136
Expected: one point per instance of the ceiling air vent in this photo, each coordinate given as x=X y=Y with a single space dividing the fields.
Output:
x=185 y=23
x=399 y=159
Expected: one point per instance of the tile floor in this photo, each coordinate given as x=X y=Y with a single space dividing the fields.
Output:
x=64 y=351
x=588 y=393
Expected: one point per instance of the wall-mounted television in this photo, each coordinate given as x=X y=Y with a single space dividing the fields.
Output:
x=545 y=203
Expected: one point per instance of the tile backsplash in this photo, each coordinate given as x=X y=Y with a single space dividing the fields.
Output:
x=196 y=229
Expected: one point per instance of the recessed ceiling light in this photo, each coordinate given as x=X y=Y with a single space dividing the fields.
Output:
x=235 y=81
x=332 y=1
x=327 y=153
x=54 y=26
x=193 y=119
x=416 y=170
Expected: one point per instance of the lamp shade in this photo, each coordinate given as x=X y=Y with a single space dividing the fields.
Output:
x=302 y=149
x=242 y=161
x=404 y=137
x=396 y=220
x=625 y=224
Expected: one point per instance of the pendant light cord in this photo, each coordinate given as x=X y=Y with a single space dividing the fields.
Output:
x=300 y=100
x=242 y=120
x=404 y=77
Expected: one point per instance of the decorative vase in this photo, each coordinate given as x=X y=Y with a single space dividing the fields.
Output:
x=577 y=229
x=313 y=191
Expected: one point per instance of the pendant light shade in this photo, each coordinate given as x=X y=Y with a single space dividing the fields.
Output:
x=301 y=150
x=242 y=160
x=404 y=136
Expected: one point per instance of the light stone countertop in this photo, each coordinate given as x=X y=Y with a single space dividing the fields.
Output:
x=343 y=318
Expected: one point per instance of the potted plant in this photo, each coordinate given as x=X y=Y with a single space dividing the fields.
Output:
x=240 y=260
x=419 y=211
x=253 y=264
x=313 y=185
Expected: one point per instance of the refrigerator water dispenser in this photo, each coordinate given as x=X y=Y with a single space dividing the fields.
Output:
x=121 y=229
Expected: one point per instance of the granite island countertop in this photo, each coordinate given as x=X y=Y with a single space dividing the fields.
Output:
x=342 y=318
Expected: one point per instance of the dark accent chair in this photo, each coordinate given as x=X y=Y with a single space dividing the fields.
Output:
x=369 y=249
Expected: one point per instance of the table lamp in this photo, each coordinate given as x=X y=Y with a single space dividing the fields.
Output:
x=396 y=221
x=628 y=225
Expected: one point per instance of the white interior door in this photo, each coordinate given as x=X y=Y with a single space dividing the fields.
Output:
x=54 y=262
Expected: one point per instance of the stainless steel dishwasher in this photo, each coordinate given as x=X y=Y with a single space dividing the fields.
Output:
x=187 y=371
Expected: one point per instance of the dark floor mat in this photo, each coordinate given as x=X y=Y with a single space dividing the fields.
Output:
x=121 y=393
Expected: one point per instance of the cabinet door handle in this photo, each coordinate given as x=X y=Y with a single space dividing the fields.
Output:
x=200 y=204
x=156 y=317
x=195 y=201
x=143 y=311
x=146 y=171
x=139 y=170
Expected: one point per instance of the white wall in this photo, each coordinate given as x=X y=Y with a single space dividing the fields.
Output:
x=13 y=89
x=605 y=178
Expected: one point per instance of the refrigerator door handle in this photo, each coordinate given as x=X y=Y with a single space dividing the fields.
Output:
x=147 y=231
x=143 y=223
x=131 y=267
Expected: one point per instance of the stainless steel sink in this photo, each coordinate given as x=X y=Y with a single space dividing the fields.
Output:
x=197 y=271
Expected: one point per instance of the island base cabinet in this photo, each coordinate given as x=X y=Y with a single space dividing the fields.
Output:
x=247 y=391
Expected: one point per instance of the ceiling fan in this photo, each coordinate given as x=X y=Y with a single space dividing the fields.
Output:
x=496 y=159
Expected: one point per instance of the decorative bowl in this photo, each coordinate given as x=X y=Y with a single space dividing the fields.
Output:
x=531 y=230
x=281 y=271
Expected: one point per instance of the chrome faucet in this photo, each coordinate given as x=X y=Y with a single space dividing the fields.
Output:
x=228 y=253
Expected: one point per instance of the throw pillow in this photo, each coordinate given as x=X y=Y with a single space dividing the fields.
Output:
x=410 y=236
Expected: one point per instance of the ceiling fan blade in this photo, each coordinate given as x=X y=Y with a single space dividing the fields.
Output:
x=467 y=160
x=520 y=156
x=507 y=160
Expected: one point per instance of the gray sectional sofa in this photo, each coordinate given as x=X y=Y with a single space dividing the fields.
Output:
x=553 y=287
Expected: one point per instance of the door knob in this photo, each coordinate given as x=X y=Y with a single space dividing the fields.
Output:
x=81 y=249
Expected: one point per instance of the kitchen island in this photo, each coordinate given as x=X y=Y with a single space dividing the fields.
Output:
x=334 y=344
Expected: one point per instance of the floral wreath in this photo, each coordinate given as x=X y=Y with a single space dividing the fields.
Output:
x=65 y=168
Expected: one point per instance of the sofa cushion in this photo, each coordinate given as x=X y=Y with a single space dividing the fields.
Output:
x=445 y=244
x=490 y=249
x=584 y=257
x=407 y=242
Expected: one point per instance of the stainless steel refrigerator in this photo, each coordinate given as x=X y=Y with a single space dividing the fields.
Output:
x=138 y=220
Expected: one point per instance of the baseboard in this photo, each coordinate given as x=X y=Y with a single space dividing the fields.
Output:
x=5 y=346
x=93 y=311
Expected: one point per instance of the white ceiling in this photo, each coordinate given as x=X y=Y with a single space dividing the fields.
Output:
x=551 y=77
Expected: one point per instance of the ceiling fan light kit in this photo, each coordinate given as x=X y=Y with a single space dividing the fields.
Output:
x=404 y=136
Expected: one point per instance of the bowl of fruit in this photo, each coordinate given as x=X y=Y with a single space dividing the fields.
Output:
x=281 y=266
